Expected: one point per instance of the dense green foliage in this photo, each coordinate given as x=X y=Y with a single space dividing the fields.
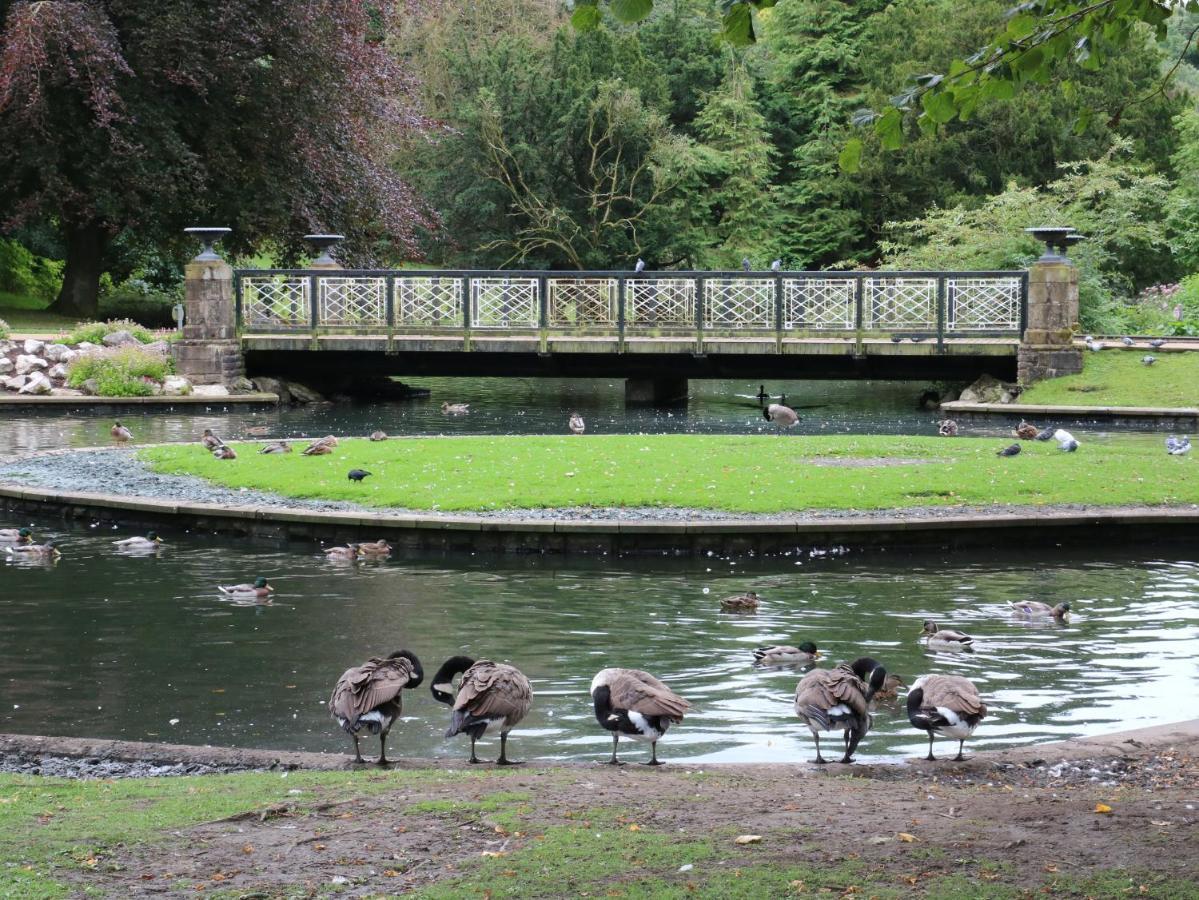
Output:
x=94 y=332
x=123 y=372
x=5 y=331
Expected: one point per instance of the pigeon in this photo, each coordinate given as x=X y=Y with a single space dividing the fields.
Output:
x=1008 y=451
x=576 y=424
x=1178 y=446
x=745 y=264
x=357 y=474
x=948 y=428
x=782 y=416
x=1127 y=341
x=896 y=338
x=917 y=338
x=640 y=267
x=1157 y=343
x=1069 y=446
x=1095 y=346
x=1062 y=436
x=1045 y=433
x=1089 y=338
x=1148 y=360
x=776 y=265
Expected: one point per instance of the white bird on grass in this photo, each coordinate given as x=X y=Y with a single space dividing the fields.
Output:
x=1178 y=446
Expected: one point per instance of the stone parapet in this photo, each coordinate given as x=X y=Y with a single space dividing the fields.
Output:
x=1036 y=362
x=209 y=361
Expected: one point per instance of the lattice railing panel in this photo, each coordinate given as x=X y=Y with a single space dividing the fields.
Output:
x=819 y=303
x=504 y=303
x=738 y=303
x=660 y=302
x=980 y=304
x=429 y=301
x=275 y=300
x=580 y=302
x=352 y=301
x=900 y=303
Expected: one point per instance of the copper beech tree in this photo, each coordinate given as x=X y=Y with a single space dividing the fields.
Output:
x=139 y=117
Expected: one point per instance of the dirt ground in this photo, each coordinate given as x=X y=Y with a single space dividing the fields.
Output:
x=1112 y=820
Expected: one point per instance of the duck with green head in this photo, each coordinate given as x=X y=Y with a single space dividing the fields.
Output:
x=150 y=542
x=15 y=536
x=803 y=655
x=33 y=551
x=259 y=588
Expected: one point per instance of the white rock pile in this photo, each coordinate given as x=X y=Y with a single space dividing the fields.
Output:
x=33 y=367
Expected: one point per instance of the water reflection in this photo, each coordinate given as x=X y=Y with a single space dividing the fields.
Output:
x=107 y=645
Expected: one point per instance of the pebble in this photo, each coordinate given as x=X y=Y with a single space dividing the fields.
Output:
x=96 y=768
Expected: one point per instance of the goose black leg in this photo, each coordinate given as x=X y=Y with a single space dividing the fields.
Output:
x=357 y=750
x=653 y=754
x=852 y=739
x=503 y=760
x=959 y=757
x=473 y=759
x=820 y=760
x=614 y=761
x=930 y=757
x=382 y=761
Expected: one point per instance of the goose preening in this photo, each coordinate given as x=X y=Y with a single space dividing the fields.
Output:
x=348 y=552
x=15 y=536
x=889 y=689
x=576 y=424
x=357 y=474
x=636 y=704
x=210 y=440
x=1030 y=608
x=1026 y=431
x=1178 y=446
x=947 y=428
x=1046 y=433
x=33 y=551
x=1157 y=343
x=784 y=655
x=260 y=588
x=120 y=433
x=455 y=409
x=945 y=638
x=1011 y=450
x=378 y=436
x=1148 y=359
x=489 y=693
x=947 y=705
x=224 y=452
x=839 y=700
x=369 y=696
x=150 y=542
x=782 y=416
x=321 y=446
x=747 y=602
x=277 y=447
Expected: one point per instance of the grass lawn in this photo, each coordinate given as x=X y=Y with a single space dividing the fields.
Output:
x=28 y=315
x=1118 y=378
x=751 y=474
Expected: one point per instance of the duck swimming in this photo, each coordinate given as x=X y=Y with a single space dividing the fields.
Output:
x=783 y=655
x=259 y=588
x=945 y=638
x=150 y=542
x=1061 y=611
x=747 y=602
x=15 y=536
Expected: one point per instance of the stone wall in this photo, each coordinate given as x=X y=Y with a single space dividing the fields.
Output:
x=209 y=352
x=1046 y=349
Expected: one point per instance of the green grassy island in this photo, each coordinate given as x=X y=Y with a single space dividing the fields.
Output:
x=732 y=473
x=1119 y=378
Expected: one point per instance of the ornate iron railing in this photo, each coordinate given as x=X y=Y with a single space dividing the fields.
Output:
x=944 y=304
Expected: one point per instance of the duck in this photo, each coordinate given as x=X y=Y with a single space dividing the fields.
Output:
x=277 y=447
x=455 y=409
x=782 y=416
x=259 y=588
x=948 y=705
x=224 y=452
x=378 y=436
x=321 y=446
x=150 y=542
x=1026 y=431
x=635 y=704
x=210 y=440
x=120 y=433
x=947 y=428
x=375 y=548
x=1061 y=611
x=945 y=638
x=839 y=700
x=16 y=536
x=747 y=602
x=489 y=693
x=889 y=690
x=34 y=551
x=783 y=655
x=348 y=552
x=369 y=697
x=576 y=424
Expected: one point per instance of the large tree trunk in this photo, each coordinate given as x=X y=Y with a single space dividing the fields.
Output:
x=80 y=292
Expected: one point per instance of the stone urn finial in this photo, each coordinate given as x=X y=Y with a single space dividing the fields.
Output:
x=324 y=244
x=1057 y=239
x=208 y=237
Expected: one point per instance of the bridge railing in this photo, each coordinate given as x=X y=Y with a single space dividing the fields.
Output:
x=945 y=304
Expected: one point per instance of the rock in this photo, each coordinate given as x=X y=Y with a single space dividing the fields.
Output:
x=276 y=386
x=119 y=339
x=302 y=394
x=15 y=383
x=34 y=346
x=176 y=386
x=210 y=390
x=988 y=389
x=27 y=364
x=84 y=347
x=89 y=387
x=6 y=366
x=38 y=383
x=66 y=392
x=59 y=353
x=57 y=371
x=162 y=348
x=241 y=386
x=7 y=347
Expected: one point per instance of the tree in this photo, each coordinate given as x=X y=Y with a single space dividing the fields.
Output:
x=134 y=118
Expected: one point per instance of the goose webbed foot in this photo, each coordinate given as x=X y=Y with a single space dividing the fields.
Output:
x=358 y=760
x=613 y=762
x=503 y=760
x=846 y=759
x=930 y=757
x=653 y=762
x=960 y=757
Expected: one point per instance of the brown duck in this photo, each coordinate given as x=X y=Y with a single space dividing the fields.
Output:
x=489 y=693
x=747 y=602
x=368 y=697
x=1026 y=432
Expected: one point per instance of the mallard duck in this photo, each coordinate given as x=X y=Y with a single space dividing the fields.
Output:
x=210 y=440
x=576 y=424
x=636 y=704
x=120 y=433
x=945 y=638
x=224 y=452
x=889 y=689
x=489 y=693
x=839 y=700
x=1060 y=612
x=947 y=428
x=783 y=655
x=1025 y=431
x=259 y=588
x=948 y=705
x=149 y=542
x=782 y=416
x=378 y=436
x=349 y=551
x=34 y=551
x=747 y=602
x=317 y=449
x=375 y=548
x=455 y=409
x=277 y=447
x=369 y=696
x=15 y=536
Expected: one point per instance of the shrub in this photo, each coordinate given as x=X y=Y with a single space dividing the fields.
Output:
x=27 y=275
x=94 y=332
x=5 y=331
x=123 y=372
x=140 y=301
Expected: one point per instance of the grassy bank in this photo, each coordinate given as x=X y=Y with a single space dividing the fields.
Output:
x=750 y=474
x=1118 y=378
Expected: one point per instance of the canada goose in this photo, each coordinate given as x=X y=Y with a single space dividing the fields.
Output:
x=945 y=638
x=277 y=447
x=375 y=548
x=357 y=474
x=784 y=655
x=15 y=536
x=149 y=542
x=747 y=602
x=368 y=696
x=224 y=452
x=120 y=433
x=636 y=704
x=34 y=551
x=259 y=588
x=945 y=704
x=889 y=689
x=838 y=700
x=1025 y=431
x=1011 y=450
x=455 y=409
x=1060 y=612
x=576 y=424
x=489 y=693
x=210 y=440
x=782 y=416
x=378 y=436
x=947 y=428
x=348 y=552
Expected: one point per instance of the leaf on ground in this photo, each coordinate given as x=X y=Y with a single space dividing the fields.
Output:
x=907 y=838
x=748 y=839
x=1102 y=808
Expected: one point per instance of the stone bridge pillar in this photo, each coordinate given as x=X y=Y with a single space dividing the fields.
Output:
x=1046 y=348
x=209 y=352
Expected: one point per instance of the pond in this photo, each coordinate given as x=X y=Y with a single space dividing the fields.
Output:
x=145 y=648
